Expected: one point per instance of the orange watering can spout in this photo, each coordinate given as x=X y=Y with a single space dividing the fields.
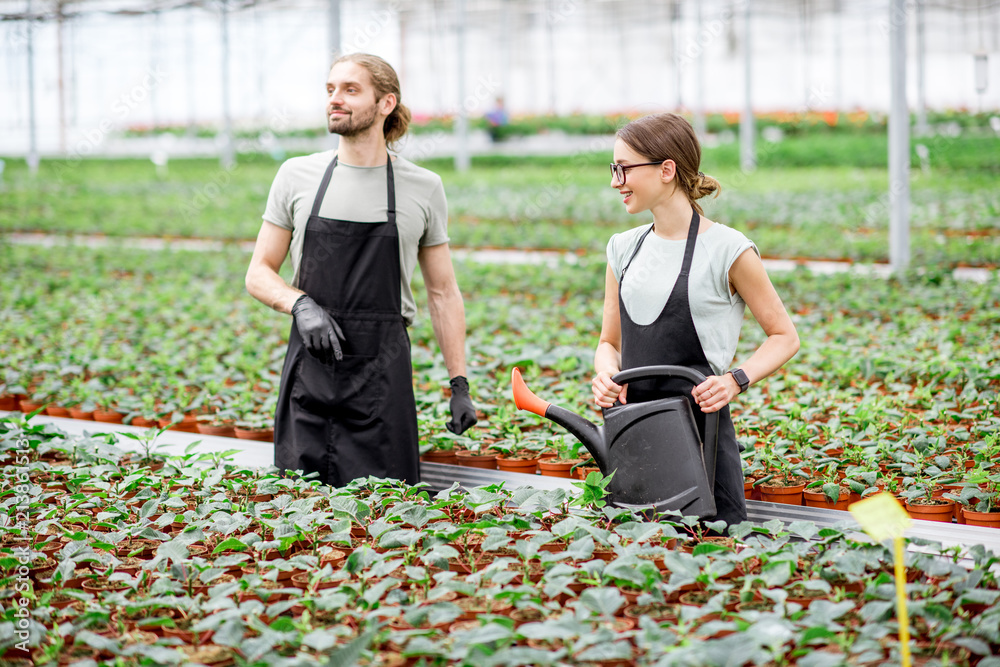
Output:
x=524 y=399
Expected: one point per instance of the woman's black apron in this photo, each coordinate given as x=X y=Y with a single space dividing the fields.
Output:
x=672 y=339
x=356 y=417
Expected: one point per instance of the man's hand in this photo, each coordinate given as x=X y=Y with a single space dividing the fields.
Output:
x=463 y=412
x=320 y=332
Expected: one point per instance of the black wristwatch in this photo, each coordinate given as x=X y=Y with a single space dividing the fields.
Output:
x=741 y=379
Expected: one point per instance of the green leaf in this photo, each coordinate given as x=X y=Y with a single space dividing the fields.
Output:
x=706 y=548
x=348 y=655
x=230 y=544
x=814 y=633
x=804 y=529
x=321 y=639
x=974 y=645
x=173 y=550
x=602 y=600
x=822 y=659
x=612 y=650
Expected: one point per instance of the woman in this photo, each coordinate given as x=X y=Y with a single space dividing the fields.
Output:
x=676 y=291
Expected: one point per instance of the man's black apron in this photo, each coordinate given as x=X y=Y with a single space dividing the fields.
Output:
x=356 y=417
x=672 y=339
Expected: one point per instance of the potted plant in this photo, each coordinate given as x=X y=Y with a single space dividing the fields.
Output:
x=477 y=455
x=106 y=406
x=517 y=454
x=11 y=390
x=180 y=408
x=979 y=499
x=827 y=490
x=784 y=482
x=442 y=447
x=84 y=401
x=255 y=426
x=922 y=503
x=144 y=411
x=221 y=421
x=567 y=457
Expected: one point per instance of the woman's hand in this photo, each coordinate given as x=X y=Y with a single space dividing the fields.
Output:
x=607 y=392
x=715 y=392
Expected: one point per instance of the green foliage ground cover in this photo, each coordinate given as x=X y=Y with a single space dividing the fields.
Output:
x=882 y=361
x=820 y=195
x=144 y=559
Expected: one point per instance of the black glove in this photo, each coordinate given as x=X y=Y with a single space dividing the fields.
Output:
x=463 y=412
x=320 y=332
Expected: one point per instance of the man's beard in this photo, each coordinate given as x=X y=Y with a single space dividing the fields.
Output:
x=354 y=124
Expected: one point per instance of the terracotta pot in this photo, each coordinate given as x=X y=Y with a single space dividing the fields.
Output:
x=950 y=488
x=583 y=471
x=755 y=605
x=472 y=459
x=440 y=456
x=557 y=468
x=78 y=413
x=701 y=598
x=188 y=424
x=302 y=580
x=98 y=587
x=526 y=466
x=108 y=416
x=803 y=596
x=210 y=654
x=15 y=657
x=818 y=499
x=142 y=422
x=973 y=518
x=187 y=636
x=221 y=430
x=8 y=402
x=783 y=495
x=472 y=607
x=27 y=406
x=57 y=411
x=656 y=611
x=944 y=512
x=259 y=434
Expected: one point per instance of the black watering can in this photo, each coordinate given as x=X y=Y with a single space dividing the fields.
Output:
x=653 y=448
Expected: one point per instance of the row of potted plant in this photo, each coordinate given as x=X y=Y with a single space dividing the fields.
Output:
x=933 y=381
x=135 y=558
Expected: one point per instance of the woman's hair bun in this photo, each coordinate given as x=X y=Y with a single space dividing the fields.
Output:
x=703 y=185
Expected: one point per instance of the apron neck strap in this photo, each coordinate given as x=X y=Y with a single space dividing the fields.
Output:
x=390 y=187
x=635 y=252
x=322 y=187
x=390 y=190
x=692 y=240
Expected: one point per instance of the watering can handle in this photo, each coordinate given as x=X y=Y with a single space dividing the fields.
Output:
x=646 y=372
x=711 y=421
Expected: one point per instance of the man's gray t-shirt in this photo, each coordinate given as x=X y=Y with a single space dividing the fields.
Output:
x=717 y=314
x=359 y=194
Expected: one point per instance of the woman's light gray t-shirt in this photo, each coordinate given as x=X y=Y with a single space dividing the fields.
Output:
x=359 y=194
x=717 y=314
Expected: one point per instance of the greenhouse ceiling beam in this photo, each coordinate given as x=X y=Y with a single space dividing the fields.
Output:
x=71 y=9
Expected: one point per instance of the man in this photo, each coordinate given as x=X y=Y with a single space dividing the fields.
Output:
x=355 y=222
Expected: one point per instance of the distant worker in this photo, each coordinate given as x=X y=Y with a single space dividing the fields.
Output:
x=497 y=120
x=676 y=291
x=355 y=222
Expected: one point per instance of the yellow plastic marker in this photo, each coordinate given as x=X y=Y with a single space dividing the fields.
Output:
x=882 y=517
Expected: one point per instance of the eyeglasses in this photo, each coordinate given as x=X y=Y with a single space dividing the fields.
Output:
x=618 y=170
